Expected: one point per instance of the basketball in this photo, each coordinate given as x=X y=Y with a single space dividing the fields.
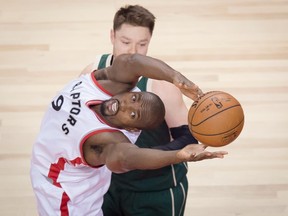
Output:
x=216 y=119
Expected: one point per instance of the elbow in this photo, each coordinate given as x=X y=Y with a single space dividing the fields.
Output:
x=119 y=164
x=136 y=60
x=127 y=59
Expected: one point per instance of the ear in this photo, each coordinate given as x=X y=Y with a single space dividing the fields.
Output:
x=112 y=36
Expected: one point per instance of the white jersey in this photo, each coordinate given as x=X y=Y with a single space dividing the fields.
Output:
x=63 y=182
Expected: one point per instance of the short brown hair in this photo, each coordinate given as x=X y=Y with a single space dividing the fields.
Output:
x=135 y=15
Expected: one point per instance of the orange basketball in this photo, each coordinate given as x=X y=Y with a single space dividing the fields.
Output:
x=216 y=119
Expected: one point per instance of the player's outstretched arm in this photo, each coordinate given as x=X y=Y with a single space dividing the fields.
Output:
x=131 y=157
x=121 y=156
x=127 y=68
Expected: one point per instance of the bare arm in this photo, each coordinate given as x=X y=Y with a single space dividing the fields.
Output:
x=121 y=156
x=128 y=68
x=176 y=110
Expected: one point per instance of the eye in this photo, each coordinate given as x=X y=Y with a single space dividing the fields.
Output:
x=133 y=98
x=143 y=44
x=133 y=114
x=126 y=42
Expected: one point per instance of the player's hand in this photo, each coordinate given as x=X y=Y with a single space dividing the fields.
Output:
x=198 y=152
x=187 y=87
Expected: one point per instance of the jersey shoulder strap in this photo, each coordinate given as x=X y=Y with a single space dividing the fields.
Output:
x=142 y=84
x=105 y=61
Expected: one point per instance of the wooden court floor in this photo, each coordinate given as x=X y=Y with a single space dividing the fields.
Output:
x=238 y=46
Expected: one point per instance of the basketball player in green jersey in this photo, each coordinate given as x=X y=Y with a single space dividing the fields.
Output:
x=159 y=192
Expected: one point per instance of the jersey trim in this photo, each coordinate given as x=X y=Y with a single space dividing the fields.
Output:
x=173 y=175
x=184 y=198
x=106 y=60
x=64 y=205
x=172 y=202
x=99 y=86
x=56 y=168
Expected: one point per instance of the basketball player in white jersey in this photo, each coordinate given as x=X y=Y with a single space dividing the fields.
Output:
x=88 y=131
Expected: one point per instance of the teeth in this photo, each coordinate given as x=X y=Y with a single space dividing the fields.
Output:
x=114 y=107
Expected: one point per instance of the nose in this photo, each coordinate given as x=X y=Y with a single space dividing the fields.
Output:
x=133 y=49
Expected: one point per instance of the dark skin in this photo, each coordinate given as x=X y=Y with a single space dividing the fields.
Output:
x=113 y=148
x=132 y=110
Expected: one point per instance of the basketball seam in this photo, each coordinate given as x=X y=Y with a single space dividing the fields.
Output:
x=218 y=133
x=214 y=115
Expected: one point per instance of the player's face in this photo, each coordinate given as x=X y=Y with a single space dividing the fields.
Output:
x=127 y=110
x=130 y=39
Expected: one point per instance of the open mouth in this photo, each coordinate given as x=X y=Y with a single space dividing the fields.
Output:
x=112 y=107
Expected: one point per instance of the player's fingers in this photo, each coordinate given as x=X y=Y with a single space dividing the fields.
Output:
x=203 y=156
x=219 y=154
x=200 y=93
x=210 y=155
x=194 y=97
x=223 y=153
x=204 y=146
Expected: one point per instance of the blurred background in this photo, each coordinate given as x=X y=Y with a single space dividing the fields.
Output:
x=238 y=46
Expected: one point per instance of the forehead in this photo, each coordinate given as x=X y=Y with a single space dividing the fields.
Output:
x=125 y=94
x=133 y=32
x=140 y=95
x=131 y=93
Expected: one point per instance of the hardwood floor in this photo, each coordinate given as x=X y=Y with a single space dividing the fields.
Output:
x=236 y=46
